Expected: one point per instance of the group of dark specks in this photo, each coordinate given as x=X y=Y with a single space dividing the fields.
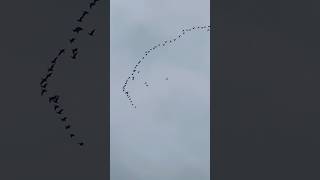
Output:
x=162 y=44
x=55 y=99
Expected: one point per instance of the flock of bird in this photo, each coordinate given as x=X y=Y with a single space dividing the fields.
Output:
x=136 y=71
x=54 y=100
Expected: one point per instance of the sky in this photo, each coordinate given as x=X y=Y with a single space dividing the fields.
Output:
x=167 y=136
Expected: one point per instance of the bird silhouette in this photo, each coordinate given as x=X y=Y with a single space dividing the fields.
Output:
x=43 y=91
x=60 y=111
x=80 y=19
x=49 y=75
x=44 y=85
x=72 y=40
x=81 y=143
x=92 y=32
x=56 y=107
x=77 y=29
x=74 y=50
x=84 y=13
x=54 y=99
x=64 y=119
x=74 y=56
x=72 y=135
x=54 y=60
x=167 y=78
x=43 y=80
x=61 y=52
x=51 y=68
x=92 y=4
x=67 y=126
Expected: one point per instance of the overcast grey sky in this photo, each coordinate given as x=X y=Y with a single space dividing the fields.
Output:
x=167 y=135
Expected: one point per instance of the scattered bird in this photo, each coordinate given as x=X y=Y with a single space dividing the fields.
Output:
x=91 y=5
x=80 y=19
x=77 y=29
x=61 y=52
x=84 y=13
x=51 y=68
x=72 y=135
x=56 y=107
x=167 y=78
x=54 y=60
x=81 y=143
x=43 y=91
x=48 y=75
x=74 y=50
x=64 y=119
x=72 y=40
x=60 y=111
x=74 y=56
x=92 y=32
x=44 y=86
x=67 y=126
x=54 y=99
x=43 y=80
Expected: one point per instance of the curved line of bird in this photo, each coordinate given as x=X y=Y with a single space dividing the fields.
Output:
x=55 y=99
x=162 y=44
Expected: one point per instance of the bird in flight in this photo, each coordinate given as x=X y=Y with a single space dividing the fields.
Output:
x=167 y=78
x=74 y=50
x=54 y=60
x=67 y=126
x=74 y=56
x=64 y=119
x=44 y=85
x=72 y=40
x=92 y=4
x=72 y=135
x=80 y=19
x=77 y=29
x=56 y=107
x=48 y=75
x=60 y=111
x=92 y=32
x=81 y=143
x=84 y=13
x=54 y=99
x=51 y=68
x=61 y=52
x=43 y=91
